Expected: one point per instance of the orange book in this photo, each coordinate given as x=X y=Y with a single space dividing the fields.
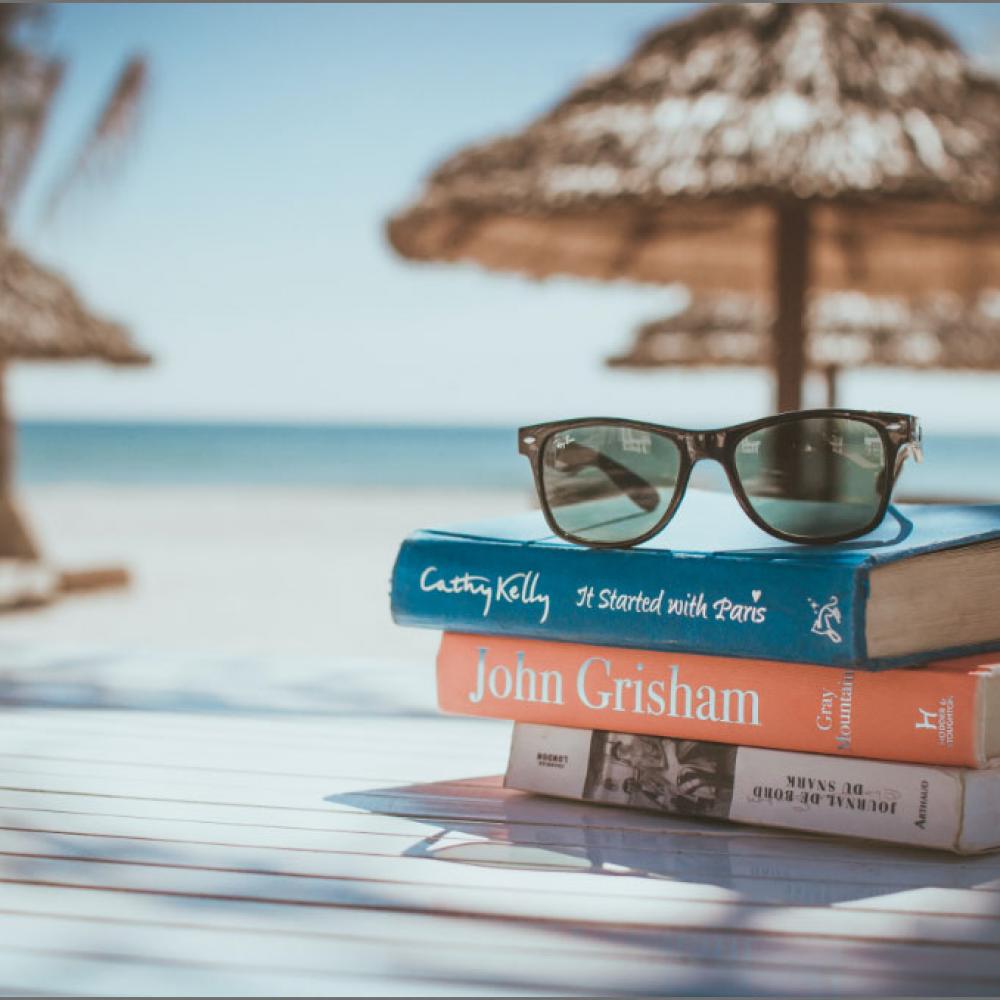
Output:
x=942 y=713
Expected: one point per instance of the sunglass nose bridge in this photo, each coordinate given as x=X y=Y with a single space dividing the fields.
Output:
x=706 y=444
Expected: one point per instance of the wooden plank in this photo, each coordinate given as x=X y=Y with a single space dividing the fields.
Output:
x=756 y=878
x=72 y=973
x=553 y=824
x=753 y=872
x=566 y=958
x=38 y=730
x=676 y=906
x=259 y=958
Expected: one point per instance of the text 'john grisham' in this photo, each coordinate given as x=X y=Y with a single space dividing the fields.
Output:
x=599 y=684
x=525 y=588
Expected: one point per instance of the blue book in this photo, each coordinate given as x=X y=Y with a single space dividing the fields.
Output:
x=925 y=585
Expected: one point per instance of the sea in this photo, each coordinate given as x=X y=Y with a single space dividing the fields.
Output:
x=367 y=455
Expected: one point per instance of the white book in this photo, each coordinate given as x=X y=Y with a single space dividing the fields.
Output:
x=951 y=808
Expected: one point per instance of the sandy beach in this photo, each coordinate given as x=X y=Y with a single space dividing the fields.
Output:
x=237 y=570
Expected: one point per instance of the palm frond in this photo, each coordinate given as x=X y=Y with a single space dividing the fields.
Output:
x=26 y=99
x=109 y=137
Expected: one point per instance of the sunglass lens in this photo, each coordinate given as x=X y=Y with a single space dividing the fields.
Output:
x=608 y=483
x=815 y=478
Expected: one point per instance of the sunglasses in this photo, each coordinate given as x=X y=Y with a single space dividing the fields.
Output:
x=811 y=476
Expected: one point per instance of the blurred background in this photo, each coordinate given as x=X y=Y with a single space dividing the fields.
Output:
x=270 y=393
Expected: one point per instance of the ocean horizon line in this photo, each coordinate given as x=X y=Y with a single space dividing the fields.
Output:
x=380 y=424
x=154 y=452
x=350 y=424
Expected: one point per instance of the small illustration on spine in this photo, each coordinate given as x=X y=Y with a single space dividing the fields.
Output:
x=684 y=777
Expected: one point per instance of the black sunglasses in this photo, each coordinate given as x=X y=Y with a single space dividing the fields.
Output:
x=815 y=476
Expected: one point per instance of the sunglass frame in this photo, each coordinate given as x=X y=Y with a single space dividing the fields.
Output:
x=900 y=434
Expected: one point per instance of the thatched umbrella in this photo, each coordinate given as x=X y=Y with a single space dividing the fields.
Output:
x=768 y=149
x=846 y=330
x=41 y=318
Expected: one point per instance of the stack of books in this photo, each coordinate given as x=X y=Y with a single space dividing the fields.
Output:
x=717 y=672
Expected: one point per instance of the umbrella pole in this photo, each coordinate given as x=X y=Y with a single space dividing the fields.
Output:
x=15 y=542
x=791 y=283
x=830 y=376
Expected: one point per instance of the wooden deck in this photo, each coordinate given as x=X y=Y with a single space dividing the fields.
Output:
x=190 y=826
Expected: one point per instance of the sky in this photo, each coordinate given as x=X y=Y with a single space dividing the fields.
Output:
x=242 y=237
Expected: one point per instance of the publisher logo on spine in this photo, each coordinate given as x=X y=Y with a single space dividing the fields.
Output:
x=827 y=618
x=939 y=720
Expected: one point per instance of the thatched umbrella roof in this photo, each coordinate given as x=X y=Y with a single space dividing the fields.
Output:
x=846 y=330
x=854 y=140
x=42 y=318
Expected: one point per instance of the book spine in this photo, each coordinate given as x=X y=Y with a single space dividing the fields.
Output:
x=924 y=715
x=796 y=610
x=898 y=803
